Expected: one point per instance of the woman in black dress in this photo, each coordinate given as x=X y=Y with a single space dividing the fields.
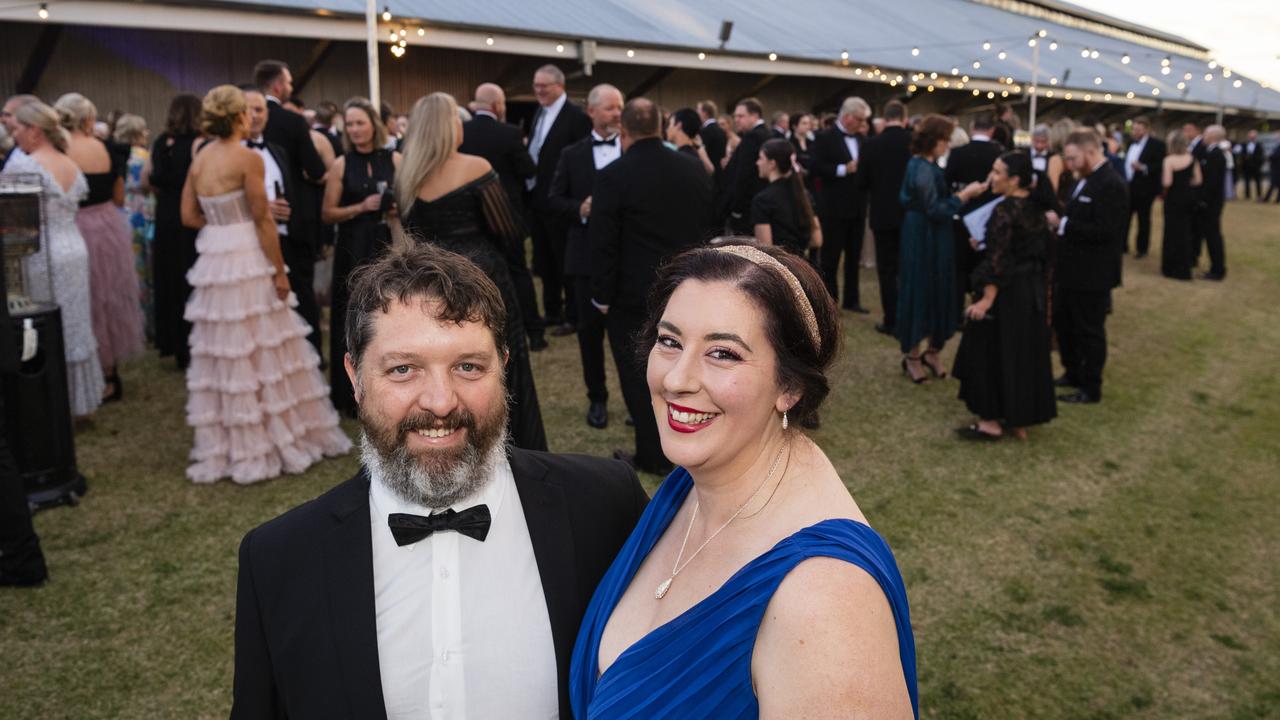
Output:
x=174 y=248
x=1003 y=362
x=456 y=202
x=1180 y=176
x=683 y=130
x=802 y=128
x=781 y=213
x=354 y=194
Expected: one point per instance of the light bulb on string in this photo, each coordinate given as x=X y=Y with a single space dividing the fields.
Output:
x=1166 y=62
x=1237 y=83
x=1155 y=91
x=1226 y=72
x=1042 y=33
x=1093 y=54
x=559 y=47
x=421 y=32
x=1186 y=76
x=844 y=54
x=1182 y=86
x=386 y=13
x=1125 y=58
x=1208 y=77
x=1213 y=64
x=1097 y=80
x=488 y=40
x=1129 y=94
x=403 y=32
x=43 y=12
x=631 y=53
x=955 y=71
x=1165 y=70
x=403 y=42
x=986 y=45
x=773 y=57
x=915 y=52
x=1031 y=42
x=976 y=64
x=1084 y=53
x=703 y=56
x=1002 y=55
x=1053 y=44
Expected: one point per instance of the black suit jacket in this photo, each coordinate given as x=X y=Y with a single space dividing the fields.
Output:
x=1089 y=249
x=842 y=197
x=574 y=182
x=716 y=143
x=1149 y=183
x=648 y=205
x=741 y=179
x=570 y=126
x=306 y=632
x=881 y=167
x=290 y=131
x=1213 y=166
x=500 y=144
x=296 y=236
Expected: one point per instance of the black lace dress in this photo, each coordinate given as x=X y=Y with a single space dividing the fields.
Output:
x=1003 y=363
x=360 y=240
x=476 y=221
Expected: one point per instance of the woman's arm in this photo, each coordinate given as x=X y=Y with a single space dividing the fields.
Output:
x=117 y=192
x=330 y=210
x=979 y=310
x=1054 y=171
x=815 y=233
x=192 y=217
x=828 y=648
x=1166 y=173
x=706 y=159
x=764 y=234
x=255 y=192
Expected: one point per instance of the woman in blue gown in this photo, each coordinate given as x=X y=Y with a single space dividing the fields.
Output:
x=753 y=585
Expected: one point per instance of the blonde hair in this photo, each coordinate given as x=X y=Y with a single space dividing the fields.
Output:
x=1058 y=133
x=75 y=111
x=1177 y=142
x=221 y=110
x=131 y=129
x=432 y=138
x=45 y=119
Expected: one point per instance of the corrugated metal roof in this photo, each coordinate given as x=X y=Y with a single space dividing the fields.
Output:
x=948 y=33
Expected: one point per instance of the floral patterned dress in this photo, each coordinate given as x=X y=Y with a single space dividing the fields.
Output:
x=140 y=209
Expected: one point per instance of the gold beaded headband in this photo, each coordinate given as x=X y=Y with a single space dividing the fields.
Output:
x=763 y=259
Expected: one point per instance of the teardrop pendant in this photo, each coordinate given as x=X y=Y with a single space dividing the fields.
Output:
x=662 y=589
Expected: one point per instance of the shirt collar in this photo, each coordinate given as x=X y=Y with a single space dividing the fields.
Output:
x=555 y=106
x=485 y=113
x=273 y=99
x=980 y=137
x=597 y=136
x=385 y=501
x=709 y=121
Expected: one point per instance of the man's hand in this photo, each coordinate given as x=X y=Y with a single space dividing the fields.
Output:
x=280 y=210
x=1052 y=218
x=851 y=167
x=584 y=210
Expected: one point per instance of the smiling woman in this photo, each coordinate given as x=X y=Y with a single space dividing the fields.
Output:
x=755 y=534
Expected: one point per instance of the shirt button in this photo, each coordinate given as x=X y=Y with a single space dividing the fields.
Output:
x=444 y=656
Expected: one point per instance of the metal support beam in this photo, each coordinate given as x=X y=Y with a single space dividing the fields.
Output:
x=656 y=77
x=836 y=97
x=319 y=53
x=764 y=82
x=38 y=60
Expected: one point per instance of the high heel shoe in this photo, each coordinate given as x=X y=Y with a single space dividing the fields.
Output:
x=117 y=388
x=906 y=370
x=937 y=371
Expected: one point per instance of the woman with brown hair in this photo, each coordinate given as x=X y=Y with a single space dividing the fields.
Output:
x=174 y=248
x=927 y=298
x=781 y=214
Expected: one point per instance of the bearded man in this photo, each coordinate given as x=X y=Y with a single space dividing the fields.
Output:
x=449 y=577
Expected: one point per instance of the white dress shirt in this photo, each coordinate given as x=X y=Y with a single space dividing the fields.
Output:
x=1131 y=157
x=602 y=155
x=545 y=119
x=272 y=178
x=851 y=142
x=463 y=629
x=1040 y=161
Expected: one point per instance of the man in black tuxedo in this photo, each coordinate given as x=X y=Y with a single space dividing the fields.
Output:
x=557 y=124
x=1252 y=156
x=649 y=205
x=781 y=125
x=741 y=178
x=713 y=139
x=570 y=196
x=280 y=186
x=289 y=130
x=966 y=164
x=1213 y=194
x=1091 y=236
x=450 y=575
x=881 y=168
x=836 y=154
x=1143 y=168
x=1273 y=162
x=488 y=135
x=325 y=123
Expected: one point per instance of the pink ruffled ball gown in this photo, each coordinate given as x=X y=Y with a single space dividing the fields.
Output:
x=257 y=400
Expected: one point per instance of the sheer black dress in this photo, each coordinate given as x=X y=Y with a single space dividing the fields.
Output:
x=1003 y=362
x=1179 y=208
x=174 y=249
x=360 y=240
x=476 y=221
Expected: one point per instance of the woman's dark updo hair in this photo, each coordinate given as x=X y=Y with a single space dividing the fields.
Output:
x=1019 y=166
x=782 y=152
x=802 y=367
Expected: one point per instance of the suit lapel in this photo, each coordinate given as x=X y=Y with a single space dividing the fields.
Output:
x=348 y=557
x=547 y=515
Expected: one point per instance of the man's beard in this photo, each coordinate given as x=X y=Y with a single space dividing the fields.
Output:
x=435 y=478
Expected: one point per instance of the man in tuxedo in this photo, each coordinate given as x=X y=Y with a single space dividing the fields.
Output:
x=1273 y=162
x=570 y=196
x=557 y=124
x=278 y=182
x=1143 y=168
x=741 y=178
x=881 y=168
x=289 y=131
x=1252 y=157
x=449 y=576
x=1213 y=194
x=488 y=135
x=1040 y=150
x=713 y=138
x=971 y=163
x=836 y=154
x=325 y=123
x=11 y=122
x=648 y=205
x=1091 y=236
x=781 y=125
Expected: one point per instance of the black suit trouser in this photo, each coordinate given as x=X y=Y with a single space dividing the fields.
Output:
x=1080 y=320
x=888 y=245
x=591 y=327
x=842 y=236
x=549 y=242
x=21 y=560
x=1140 y=205
x=1255 y=177
x=624 y=324
x=300 y=257
x=1211 y=229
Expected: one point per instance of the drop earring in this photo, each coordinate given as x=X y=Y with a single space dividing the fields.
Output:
x=784 y=419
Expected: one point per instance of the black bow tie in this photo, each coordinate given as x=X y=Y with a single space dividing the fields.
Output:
x=408 y=529
x=607 y=141
x=259 y=145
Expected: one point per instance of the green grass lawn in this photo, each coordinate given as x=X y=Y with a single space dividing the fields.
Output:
x=1122 y=563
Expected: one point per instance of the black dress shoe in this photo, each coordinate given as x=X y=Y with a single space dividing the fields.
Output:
x=884 y=329
x=1079 y=397
x=598 y=415
x=563 y=329
x=630 y=421
x=858 y=309
x=537 y=343
x=1216 y=277
x=1064 y=381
